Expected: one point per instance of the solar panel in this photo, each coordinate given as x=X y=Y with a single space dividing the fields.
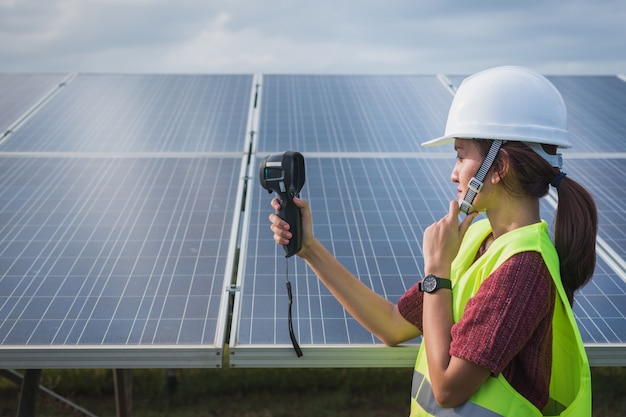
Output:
x=314 y=113
x=20 y=92
x=106 y=261
x=141 y=113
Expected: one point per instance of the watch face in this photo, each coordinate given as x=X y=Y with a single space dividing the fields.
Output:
x=429 y=284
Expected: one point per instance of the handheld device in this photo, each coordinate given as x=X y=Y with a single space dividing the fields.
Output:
x=283 y=174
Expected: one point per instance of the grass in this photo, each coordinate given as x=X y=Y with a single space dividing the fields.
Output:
x=261 y=392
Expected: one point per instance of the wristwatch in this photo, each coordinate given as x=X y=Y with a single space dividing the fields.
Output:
x=432 y=283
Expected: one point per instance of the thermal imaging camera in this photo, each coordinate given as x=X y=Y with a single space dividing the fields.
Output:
x=283 y=174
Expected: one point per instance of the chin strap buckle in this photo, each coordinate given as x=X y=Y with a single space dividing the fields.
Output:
x=475 y=185
x=466 y=207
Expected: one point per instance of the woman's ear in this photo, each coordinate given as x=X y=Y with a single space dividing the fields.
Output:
x=501 y=168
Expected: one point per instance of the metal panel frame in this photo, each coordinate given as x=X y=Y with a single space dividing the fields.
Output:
x=364 y=356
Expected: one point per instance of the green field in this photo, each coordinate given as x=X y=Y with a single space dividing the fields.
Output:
x=261 y=392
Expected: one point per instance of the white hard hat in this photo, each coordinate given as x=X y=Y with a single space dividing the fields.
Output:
x=508 y=103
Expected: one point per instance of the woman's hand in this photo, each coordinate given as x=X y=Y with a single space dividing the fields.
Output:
x=282 y=234
x=442 y=240
x=453 y=379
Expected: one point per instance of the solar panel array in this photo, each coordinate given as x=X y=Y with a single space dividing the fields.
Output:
x=128 y=202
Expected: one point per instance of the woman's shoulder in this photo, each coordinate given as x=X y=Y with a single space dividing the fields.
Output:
x=523 y=272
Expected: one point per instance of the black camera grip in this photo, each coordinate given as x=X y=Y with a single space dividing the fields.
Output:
x=290 y=213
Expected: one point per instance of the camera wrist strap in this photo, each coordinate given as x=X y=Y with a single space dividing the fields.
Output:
x=292 y=335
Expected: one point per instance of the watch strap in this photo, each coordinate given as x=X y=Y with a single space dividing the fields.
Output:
x=445 y=283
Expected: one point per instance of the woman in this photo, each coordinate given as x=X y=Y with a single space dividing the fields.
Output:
x=494 y=309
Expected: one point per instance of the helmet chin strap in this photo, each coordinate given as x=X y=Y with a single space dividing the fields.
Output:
x=476 y=183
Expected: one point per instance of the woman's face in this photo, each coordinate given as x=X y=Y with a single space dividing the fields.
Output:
x=467 y=164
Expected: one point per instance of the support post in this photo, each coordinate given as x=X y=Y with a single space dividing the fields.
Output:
x=28 y=395
x=123 y=382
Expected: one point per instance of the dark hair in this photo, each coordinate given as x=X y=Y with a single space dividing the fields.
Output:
x=576 y=220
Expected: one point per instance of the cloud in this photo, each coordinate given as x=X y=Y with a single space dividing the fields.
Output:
x=282 y=36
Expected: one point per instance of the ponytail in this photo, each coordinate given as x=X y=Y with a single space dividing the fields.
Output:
x=575 y=229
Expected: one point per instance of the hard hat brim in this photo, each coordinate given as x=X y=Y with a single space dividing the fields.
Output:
x=443 y=140
x=559 y=139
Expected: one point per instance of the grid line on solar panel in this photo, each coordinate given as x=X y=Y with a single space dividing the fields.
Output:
x=140 y=113
x=20 y=92
x=351 y=113
x=128 y=251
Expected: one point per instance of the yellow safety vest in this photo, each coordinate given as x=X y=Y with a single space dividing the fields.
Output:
x=570 y=384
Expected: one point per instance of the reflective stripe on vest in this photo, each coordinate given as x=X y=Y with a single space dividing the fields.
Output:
x=426 y=399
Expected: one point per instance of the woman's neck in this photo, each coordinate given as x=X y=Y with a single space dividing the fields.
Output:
x=512 y=214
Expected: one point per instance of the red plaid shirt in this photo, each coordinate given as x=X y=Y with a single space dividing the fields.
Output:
x=507 y=326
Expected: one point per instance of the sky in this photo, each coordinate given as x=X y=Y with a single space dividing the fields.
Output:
x=312 y=37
